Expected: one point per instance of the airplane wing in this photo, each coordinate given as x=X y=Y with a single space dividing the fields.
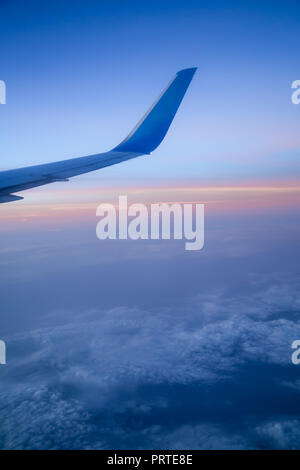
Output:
x=143 y=139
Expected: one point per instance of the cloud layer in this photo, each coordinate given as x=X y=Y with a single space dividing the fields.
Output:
x=198 y=377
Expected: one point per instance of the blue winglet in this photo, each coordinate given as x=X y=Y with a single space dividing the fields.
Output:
x=152 y=128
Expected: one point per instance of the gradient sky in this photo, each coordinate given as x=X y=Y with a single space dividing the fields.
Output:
x=79 y=76
x=122 y=344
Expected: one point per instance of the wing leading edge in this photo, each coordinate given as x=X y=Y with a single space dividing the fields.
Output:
x=143 y=139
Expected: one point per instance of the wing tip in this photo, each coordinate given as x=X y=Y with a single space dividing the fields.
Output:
x=152 y=128
x=188 y=71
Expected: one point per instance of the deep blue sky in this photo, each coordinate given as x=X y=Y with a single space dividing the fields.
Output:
x=80 y=74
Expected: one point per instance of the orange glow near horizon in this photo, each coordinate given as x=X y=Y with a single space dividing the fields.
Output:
x=74 y=204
